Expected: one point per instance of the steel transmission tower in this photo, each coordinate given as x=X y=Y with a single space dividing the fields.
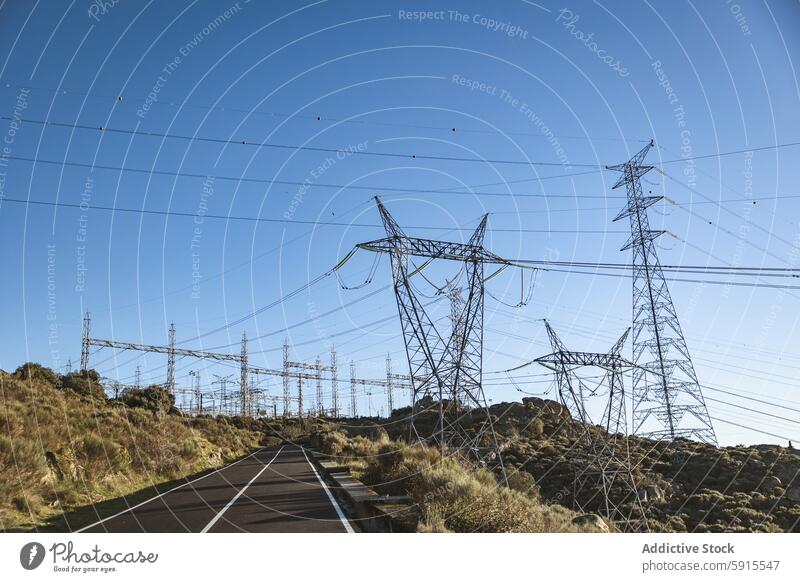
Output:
x=320 y=405
x=223 y=393
x=667 y=400
x=170 y=385
x=87 y=333
x=286 y=393
x=300 y=397
x=334 y=383
x=196 y=392
x=603 y=482
x=389 y=385
x=353 y=403
x=244 y=391
x=445 y=368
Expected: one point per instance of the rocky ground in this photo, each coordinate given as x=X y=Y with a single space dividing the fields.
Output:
x=684 y=486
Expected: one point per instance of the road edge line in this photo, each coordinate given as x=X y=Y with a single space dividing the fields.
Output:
x=348 y=528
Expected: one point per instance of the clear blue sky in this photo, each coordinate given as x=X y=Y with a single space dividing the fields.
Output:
x=708 y=77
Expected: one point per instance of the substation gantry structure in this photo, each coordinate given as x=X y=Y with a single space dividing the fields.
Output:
x=310 y=374
x=172 y=351
x=392 y=383
x=313 y=373
x=316 y=373
x=667 y=399
x=604 y=481
x=445 y=366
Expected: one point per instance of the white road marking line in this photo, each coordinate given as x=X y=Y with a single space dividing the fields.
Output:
x=348 y=528
x=242 y=490
x=146 y=501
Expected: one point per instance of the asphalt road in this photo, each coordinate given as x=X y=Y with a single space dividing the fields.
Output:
x=272 y=490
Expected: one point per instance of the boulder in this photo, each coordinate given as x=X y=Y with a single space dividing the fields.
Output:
x=787 y=473
x=592 y=520
x=532 y=402
x=651 y=493
x=770 y=484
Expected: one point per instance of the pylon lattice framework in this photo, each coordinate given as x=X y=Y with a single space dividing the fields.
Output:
x=667 y=399
x=604 y=482
x=445 y=369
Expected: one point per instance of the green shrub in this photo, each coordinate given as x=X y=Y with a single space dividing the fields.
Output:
x=156 y=399
x=332 y=443
x=33 y=371
x=83 y=385
x=523 y=482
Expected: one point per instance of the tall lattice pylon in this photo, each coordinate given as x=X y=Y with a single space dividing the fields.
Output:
x=667 y=399
x=389 y=386
x=287 y=397
x=170 y=384
x=244 y=390
x=334 y=383
x=455 y=295
x=319 y=405
x=445 y=368
x=87 y=333
x=353 y=402
x=604 y=482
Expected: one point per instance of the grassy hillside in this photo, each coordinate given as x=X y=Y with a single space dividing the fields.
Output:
x=687 y=486
x=63 y=445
